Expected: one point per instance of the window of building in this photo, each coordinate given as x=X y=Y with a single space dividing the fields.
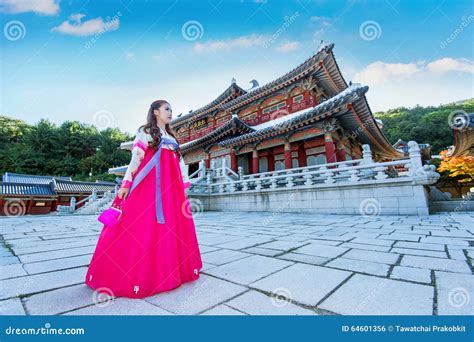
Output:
x=279 y=165
x=263 y=164
x=295 y=163
x=298 y=98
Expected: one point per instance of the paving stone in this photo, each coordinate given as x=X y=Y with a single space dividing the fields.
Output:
x=11 y=307
x=455 y=293
x=308 y=259
x=386 y=258
x=420 y=252
x=121 y=306
x=360 y=266
x=245 y=271
x=243 y=243
x=64 y=299
x=306 y=284
x=420 y=275
x=194 y=297
x=368 y=295
x=222 y=310
x=321 y=250
x=257 y=303
x=282 y=245
x=456 y=254
x=223 y=256
x=9 y=260
x=445 y=241
x=262 y=251
x=435 y=264
x=377 y=242
x=10 y=271
x=41 y=282
x=56 y=254
x=402 y=237
x=57 y=264
x=418 y=245
x=365 y=247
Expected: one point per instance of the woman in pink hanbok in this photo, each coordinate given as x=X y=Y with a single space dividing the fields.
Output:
x=154 y=247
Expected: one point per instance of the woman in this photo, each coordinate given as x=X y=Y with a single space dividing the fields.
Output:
x=154 y=247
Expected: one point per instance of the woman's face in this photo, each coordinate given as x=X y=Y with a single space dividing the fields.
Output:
x=164 y=113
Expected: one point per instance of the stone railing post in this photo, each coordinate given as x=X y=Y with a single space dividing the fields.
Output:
x=421 y=174
x=367 y=154
x=72 y=205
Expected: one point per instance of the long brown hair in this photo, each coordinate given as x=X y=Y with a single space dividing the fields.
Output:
x=152 y=128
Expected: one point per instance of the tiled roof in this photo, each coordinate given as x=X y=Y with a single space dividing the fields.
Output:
x=25 y=189
x=63 y=186
x=291 y=120
x=219 y=100
x=30 y=179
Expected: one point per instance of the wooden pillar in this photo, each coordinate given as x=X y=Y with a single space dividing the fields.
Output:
x=287 y=154
x=233 y=160
x=329 y=146
x=255 y=165
x=341 y=152
x=271 y=161
x=301 y=155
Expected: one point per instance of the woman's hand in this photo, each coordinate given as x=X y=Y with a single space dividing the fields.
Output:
x=123 y=193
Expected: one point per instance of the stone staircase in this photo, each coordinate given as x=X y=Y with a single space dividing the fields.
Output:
x=442 y=202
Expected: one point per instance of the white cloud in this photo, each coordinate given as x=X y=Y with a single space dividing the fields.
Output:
x=288 y=46
x=230 y=44
x=451 y=64
x=42 y=7
x=76 y=27
x=380 y=72
x=407 y=84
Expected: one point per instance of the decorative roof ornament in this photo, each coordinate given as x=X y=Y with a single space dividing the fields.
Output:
x=254 y=84
x=233 y=81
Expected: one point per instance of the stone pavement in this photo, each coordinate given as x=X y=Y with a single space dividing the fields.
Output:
x=257 y=264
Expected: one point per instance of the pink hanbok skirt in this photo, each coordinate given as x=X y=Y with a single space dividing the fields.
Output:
x=140 y=257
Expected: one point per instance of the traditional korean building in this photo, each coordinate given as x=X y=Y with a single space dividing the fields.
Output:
x=308 y=116
x=22 y=194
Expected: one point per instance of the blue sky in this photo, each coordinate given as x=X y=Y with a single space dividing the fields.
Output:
x=104 y=62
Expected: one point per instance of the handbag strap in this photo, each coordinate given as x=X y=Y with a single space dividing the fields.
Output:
x=117 y=202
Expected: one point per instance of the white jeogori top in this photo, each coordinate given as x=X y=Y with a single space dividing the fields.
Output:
x=139 y=147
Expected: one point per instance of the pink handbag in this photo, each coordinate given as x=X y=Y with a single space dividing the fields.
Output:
x=111 y=216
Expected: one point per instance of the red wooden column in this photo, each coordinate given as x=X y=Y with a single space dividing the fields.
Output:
x=341 y=152
x=287 y=155
x=233 y=160
x=329 y=146
x=207 y=161
x=255 y=165
x=271 y=161
x=301 y=155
